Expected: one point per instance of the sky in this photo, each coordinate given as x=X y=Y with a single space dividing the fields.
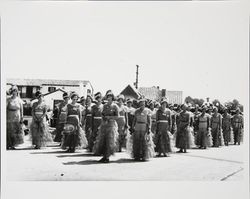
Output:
x=200 y=48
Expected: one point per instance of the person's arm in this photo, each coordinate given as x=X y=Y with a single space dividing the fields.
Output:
x=232 y=121
x=189 y=120
x=59 y=111
x=220 y=122
x=80 y=116
x=44 y=113
x=126 y=119
x=149 y=122
x=33 y=112
x=208 y=122
x=170 y=121
x=21 y=112
x=116 y=113
x=133 y=123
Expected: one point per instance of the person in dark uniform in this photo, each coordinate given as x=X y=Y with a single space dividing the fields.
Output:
x=87 y=120
x=237 y=123
x=106 y=141
x=122 y=122
x=226 y=126
x=131 y=113
x=62 y=117
x=184 y=137
x=216 y=128
x=142 y=146
x=96 y=114
x=163 y=127
x=74 y=136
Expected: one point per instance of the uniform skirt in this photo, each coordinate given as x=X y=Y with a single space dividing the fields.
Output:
x=95 y=128
x=73 y=135
x=204 y=137
x=217 y=136
x=106 y=141
x=15 y=134
x=140 y=144
x=40 y=134
x=163 y=139
x=121 y=131
x=184 y=138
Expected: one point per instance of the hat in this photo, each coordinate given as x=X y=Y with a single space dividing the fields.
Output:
x=73 y=95
x=13 y=88
x=38 y=94
x=65 y=95
x=163 y=100
x=150 y=102
x=82 y=99
x=98 y=95
x=91 y=98
x=110 y=93
x=121 y=96
x=129 y=101
x=141 y=100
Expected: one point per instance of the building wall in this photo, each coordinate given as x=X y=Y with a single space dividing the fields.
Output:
x=174 y=97
x=81 y=90
x=49 y=99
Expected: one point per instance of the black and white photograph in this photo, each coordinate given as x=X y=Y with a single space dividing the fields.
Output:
x=100 y=97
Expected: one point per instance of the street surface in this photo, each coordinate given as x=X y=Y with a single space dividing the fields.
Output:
x=54 y=164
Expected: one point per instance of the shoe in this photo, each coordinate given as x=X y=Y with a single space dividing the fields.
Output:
x=159 y=155
x=180 y=151
x=106 y=160
x=102 y=160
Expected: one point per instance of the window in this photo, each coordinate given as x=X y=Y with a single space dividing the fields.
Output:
x=29 y=91
x=51 y=89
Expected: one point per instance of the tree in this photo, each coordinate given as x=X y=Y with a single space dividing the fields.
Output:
x=193 y=101
x=198 y=101
x=188 y=100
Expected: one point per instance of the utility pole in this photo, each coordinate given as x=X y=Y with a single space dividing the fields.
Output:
x=136 y=81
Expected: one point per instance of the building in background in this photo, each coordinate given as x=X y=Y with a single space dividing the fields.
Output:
x=131 y=92
x=52 y=90
x=28 y=87
x=155 y=93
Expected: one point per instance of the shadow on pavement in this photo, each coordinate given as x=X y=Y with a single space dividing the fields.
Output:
x=21 y=149
x=48 y=152
x=90 y=162
x=77 y=155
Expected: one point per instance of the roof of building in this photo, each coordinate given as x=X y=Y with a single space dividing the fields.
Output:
x=152 y=93
x=59 y=89
x=132 y=91
x=44 y=82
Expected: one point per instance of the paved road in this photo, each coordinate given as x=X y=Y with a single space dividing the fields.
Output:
x=53 y=164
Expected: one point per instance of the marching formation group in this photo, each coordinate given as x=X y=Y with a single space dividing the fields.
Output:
x=108 y=124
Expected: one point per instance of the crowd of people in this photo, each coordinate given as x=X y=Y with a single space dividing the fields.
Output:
x=107 y=124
